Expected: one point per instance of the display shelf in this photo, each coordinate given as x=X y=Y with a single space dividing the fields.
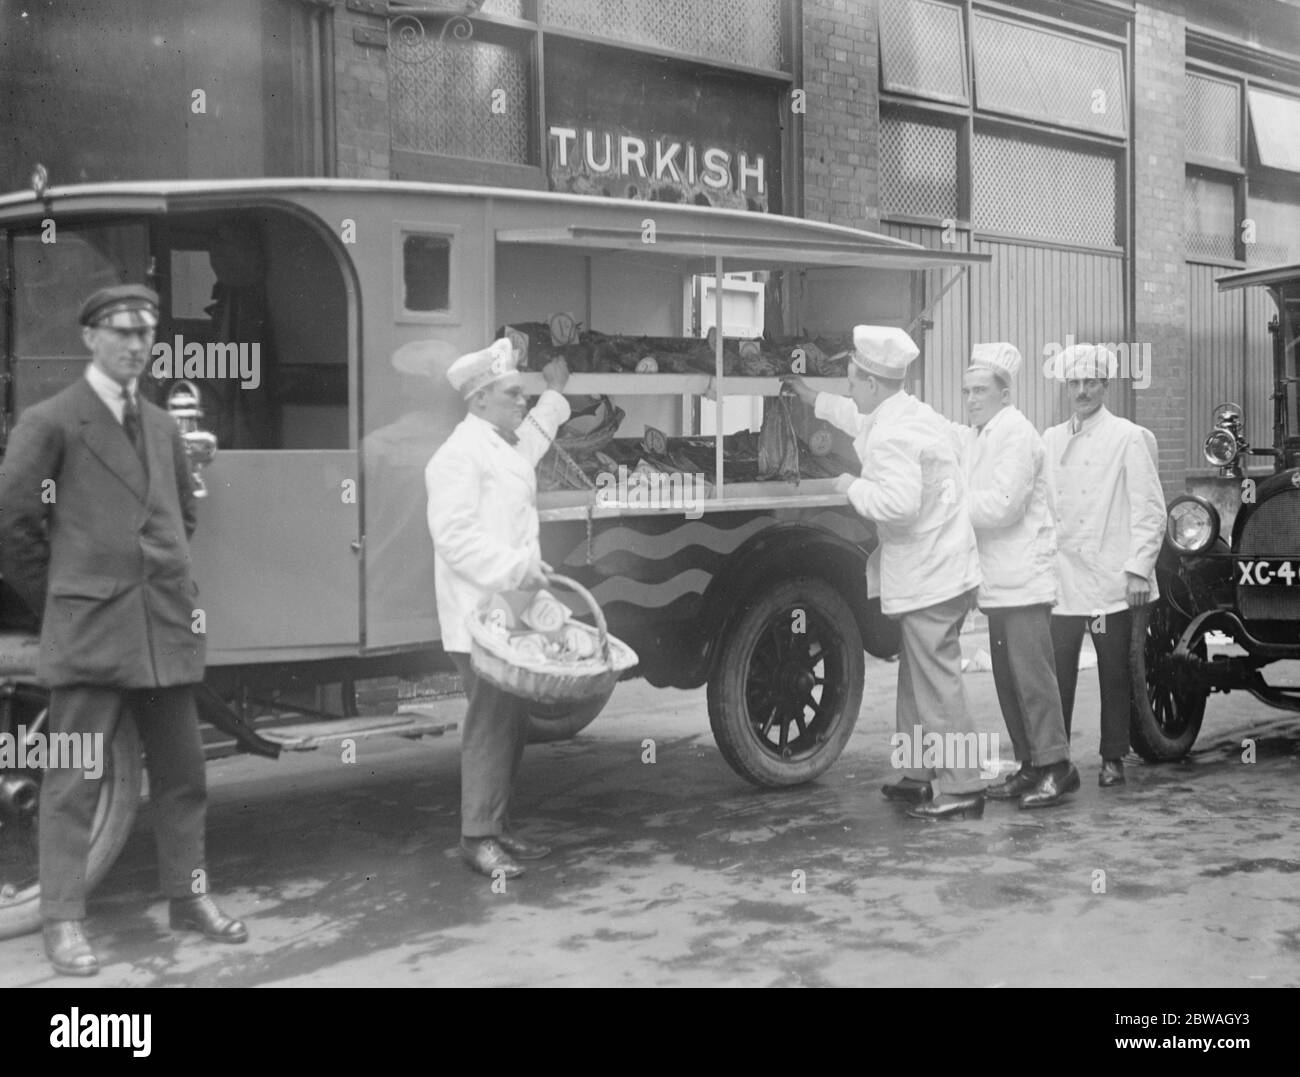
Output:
x=672 y=385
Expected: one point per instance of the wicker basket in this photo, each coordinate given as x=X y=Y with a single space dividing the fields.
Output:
x=497 y=663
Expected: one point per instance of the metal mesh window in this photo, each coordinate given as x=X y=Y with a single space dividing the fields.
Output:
x=1277 y=230
x=1212 y=109
x=1209 y=218
x=1039 y=189
x=923 y=49
x=918 y=168
x=738 y=31
x=441 y=96
x=1046 y=76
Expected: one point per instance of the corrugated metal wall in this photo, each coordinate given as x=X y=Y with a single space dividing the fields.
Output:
x=1029 y=295
x=1229 y=354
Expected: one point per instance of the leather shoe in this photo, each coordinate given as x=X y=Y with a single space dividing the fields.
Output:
x=950 y=806
x=912 y=790
x=1057 y=780
x=68 y=950
x=1017 y=784
x=522 y=847
x=1111 y=773
x=202 y=915
x=486 y=856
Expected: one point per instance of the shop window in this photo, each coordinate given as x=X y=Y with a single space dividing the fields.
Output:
x=1209 y=217
x=1046 y=76
x=1212 y=120
x=923 y=50
x=459 y=98
x=918 y=167
x=1275 y=123
x=734 y=31
x=1044 y=190
x=426 y=273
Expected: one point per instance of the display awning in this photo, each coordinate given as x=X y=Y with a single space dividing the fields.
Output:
x=763 y=248
x=1248 y=277
x=1276 y=122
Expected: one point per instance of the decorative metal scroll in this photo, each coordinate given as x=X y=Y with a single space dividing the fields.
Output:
x=409 y=41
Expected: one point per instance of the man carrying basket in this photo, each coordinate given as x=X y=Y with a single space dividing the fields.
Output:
x=482 y=491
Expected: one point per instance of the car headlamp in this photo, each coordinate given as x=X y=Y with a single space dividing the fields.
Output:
x=1192 y=524
x=1222 y=448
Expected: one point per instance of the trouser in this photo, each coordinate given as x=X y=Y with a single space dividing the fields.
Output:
x=1024 y=673
x=1111 y=635
x=491 y=746
x=169 y=728
x=931 y=693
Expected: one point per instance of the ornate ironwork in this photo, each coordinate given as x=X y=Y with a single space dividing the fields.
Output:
x=408 y=39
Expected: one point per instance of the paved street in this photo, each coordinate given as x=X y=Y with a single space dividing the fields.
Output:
x=678 y=873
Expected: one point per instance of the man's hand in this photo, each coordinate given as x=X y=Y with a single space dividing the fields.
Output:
x=1137 y=590
x=556 y=373
x=802 y=389
x=843 y=482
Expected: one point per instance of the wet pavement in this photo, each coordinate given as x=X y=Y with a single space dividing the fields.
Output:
x=679 y=873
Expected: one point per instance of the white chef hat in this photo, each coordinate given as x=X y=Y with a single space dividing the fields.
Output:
x=883 y=350
x=1000 y=357
x=1086 y=361
x=472 y=372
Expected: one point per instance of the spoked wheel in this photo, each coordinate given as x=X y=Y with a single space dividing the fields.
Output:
x=1168 y=707
x=787 y=684
x=560 y=721
x=24 y=713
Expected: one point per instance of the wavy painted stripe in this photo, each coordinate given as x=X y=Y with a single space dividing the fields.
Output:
x=651 y=595
x=655 y=547
x=623 y=563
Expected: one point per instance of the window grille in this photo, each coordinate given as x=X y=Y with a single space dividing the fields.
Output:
x=918 y=168
x=441 y=98
x=1209 y=218
x=923 y=50
x=1043 y=75
x=1212 y=109
x=737 y=31
x=1044 y=190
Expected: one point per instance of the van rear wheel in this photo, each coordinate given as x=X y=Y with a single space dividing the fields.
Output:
x=1168 y=707
x=27 y=710
x=560 y=721
x=786 y=685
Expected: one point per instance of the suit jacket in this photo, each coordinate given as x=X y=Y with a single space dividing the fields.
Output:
x=483 y=512
x=101 y=554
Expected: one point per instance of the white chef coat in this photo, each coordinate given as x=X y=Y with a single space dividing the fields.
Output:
x=483 y=512
x=1010 y=508
x=1109 y=510
x=913 y=488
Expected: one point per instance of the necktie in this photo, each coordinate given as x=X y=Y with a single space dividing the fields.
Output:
x=509 y=437
x=131 y=424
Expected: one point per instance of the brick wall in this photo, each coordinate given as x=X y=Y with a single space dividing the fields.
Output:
x=841 y=125
x=1160 y=310
x=362 y=127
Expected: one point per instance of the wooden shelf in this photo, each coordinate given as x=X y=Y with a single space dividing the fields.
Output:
x=672 y=385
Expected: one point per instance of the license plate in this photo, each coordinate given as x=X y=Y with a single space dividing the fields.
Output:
x=1272 y=572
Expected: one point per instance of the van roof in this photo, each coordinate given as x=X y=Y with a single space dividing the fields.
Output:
x=686 y=233
x=1270 y=275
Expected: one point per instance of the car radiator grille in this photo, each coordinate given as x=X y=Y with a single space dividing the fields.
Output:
x=1273 y=531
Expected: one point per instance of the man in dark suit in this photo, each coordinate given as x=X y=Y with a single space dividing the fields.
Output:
x=96 y=510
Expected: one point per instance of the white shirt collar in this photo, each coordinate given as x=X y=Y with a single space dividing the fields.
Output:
x=1092 y=420
x=109 y=391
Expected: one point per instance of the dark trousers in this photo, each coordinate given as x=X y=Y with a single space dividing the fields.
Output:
x=169 y=728
x=1111 y=636
x=491 y=746
x=1024 y=672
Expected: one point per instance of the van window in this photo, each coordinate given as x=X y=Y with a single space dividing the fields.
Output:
x=426 y=272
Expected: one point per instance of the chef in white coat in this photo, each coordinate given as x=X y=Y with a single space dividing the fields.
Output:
x=926 y=568
x=1110 y=521
x=1009 y=504
x=482 y=492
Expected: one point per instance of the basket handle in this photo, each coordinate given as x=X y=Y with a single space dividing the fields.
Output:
x=586 y=596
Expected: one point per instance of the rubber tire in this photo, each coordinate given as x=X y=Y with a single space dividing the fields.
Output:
x=1150 y=741
x=119 y=798
x=552 y=722
x=726 y=690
